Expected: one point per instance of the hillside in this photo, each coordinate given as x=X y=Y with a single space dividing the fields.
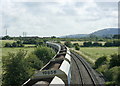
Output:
x=108 y=32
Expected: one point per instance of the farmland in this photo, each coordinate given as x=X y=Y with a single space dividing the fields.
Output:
x=14 y=50
x=3 y=42
x=96 y=52
x=91 y=54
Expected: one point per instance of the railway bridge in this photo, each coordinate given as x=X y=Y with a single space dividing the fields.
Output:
x=66 y=68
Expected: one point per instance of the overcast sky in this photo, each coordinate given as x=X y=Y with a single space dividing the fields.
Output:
x=56 y=18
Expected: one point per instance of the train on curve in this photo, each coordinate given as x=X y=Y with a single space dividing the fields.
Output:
x=56 y=71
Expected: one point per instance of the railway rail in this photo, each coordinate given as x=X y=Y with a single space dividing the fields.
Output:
x=86 y=73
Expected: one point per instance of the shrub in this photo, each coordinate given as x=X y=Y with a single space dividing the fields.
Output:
x=14 y=44
x=87 y=44
x=8 y=45
x=77 y=48
x=100 y=61
x=96 y=44
x=113 y=74
x=68 y=44
x=103 y=68
x=34 y=62
x=44 y=53
x=16 y=69
x=115 y=60
x=75 y=44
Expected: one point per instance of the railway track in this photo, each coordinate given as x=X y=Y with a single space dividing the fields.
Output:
x=87 y=77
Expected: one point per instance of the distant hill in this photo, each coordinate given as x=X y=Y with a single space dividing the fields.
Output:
x=106 y=32
x=74 y=36
x=109 y=32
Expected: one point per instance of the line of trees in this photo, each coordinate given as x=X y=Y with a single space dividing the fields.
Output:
x=14 y=44
x=90 y=44
x=114 y=43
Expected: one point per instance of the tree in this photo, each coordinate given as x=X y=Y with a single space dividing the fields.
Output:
x=53 y=36
x=76 y=44
x=6 y=38
x=117 y=36
x=96 y=44
x=113 y=74
x=108 y=44
x=115 y=60
x=8 y=45
x=87 y=44
x=16 y=69
x=14 y=44
x=34 y=62
x=100 y=61
x=44 y=53
x=68 y=44
x=77 y=47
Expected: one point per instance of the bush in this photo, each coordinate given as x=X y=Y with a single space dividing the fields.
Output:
x=14 y=44
x=115 y=60
x=100 y=61
x=87 y=44
x=77 y=48
x=34 y=62
x=44 y=53
x=16 y=69
x=102 y=68
x=68 y=44
x=113 y=74
x=8 y=45
x=96 y=44
x=75 y=44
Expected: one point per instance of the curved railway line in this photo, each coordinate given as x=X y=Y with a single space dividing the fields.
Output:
x=86 y=73
x=59 y=70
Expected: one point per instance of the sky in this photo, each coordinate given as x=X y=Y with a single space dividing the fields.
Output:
x=56 y=17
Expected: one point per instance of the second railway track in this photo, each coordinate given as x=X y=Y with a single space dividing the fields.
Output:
x=86 y=74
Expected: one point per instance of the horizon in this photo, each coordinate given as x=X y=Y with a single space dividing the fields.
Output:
x=45 y=19
x=58 y=36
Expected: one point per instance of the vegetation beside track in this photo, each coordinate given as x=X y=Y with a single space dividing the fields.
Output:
x=105 y=60
x=19 y=65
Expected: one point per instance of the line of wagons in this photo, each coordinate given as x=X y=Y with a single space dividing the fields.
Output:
x=56 y=71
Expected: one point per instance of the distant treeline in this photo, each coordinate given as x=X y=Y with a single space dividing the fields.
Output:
x=91 y=38
x=114 y=43
x=14 y=44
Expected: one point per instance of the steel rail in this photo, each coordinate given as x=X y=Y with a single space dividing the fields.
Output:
x=91 y=75
x=79 y=70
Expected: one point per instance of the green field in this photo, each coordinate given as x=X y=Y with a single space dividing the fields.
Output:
x=93 y=53
x=3 y=42
x=96 y=52
x=14 y=50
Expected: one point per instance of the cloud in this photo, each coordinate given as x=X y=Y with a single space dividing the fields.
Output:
x=58 y=18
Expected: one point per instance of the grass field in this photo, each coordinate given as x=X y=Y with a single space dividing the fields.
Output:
x=3 y=42
x=14 y=50
x=93 y=53
x=96 y=52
